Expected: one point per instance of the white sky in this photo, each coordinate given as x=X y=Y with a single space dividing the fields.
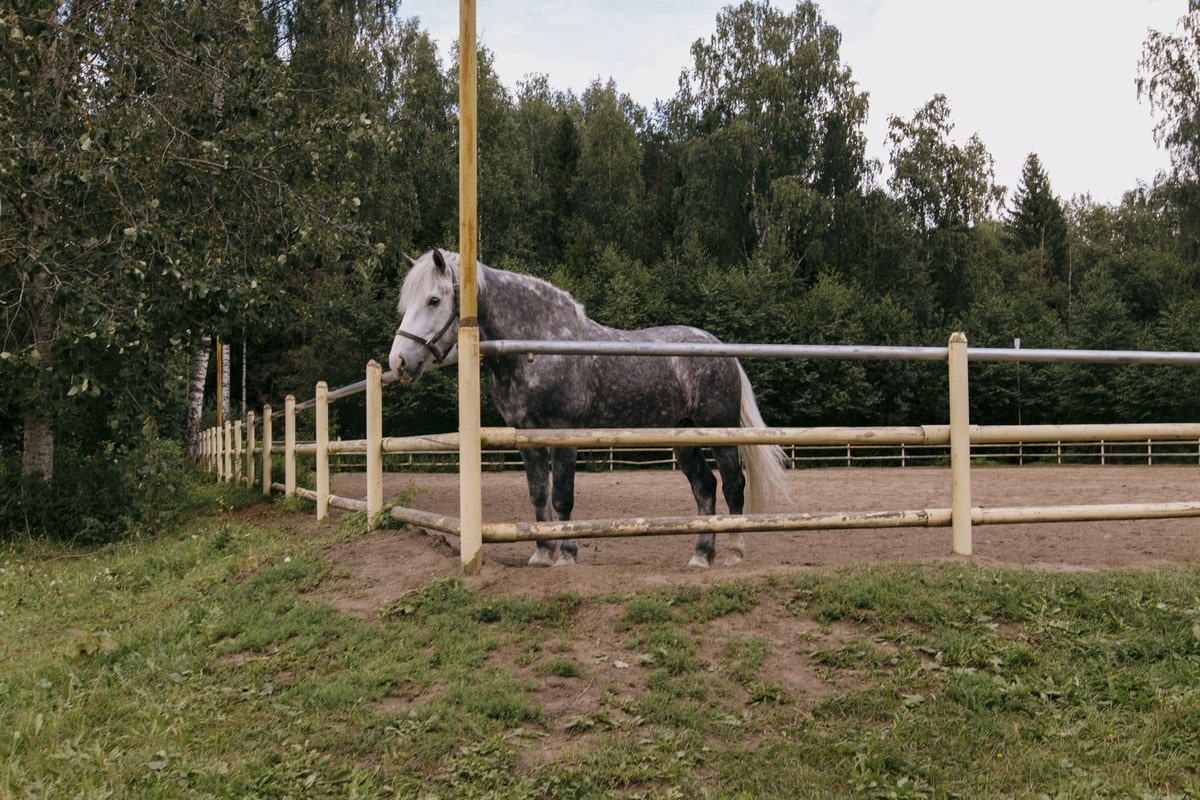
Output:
x=1055 y=77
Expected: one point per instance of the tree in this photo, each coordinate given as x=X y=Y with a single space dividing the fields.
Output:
x=1037 y=227
x=943 y=184
x=770 y=124
x=1169 y=80
x=160 y=182
x=607 y=194
x=947 y=189
x=547 y=126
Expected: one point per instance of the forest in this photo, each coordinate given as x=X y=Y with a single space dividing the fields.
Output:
x=175 y=173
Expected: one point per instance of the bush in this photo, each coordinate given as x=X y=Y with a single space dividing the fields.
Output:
x=101 y=496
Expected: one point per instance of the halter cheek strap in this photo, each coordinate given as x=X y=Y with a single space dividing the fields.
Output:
x=430 y=344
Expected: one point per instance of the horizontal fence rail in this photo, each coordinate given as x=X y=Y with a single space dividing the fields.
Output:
x=610 y=459
x=232 y=450
x=841 y=352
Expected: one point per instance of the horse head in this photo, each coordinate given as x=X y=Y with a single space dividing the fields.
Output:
x=428 y=310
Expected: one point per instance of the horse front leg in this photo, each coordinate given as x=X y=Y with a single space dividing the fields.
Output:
x=704 y=489
x=562 y=462
x=537 y=475
x=733 y=485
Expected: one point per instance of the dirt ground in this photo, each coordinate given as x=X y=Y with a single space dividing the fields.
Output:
x=382 y=566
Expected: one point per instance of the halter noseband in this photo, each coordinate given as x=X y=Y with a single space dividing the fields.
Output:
x=430 y=344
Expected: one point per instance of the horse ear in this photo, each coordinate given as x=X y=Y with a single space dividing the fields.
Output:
x=439 y=260
x=412 y=262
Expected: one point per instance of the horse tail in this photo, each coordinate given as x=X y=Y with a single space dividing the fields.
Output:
x=766 y=479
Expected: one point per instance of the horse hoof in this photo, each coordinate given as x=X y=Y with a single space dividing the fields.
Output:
x=732 y=560
x=541 y=558
x=698 y=562
x=565 y=560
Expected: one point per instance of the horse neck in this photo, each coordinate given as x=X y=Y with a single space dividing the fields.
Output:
x=515 y=306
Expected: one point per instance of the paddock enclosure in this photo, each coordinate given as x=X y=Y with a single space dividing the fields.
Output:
x=231 y=450
x=243 y=450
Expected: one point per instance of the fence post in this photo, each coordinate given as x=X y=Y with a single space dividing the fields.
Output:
x=470 y=455
x=266 y=451
x=289 y=445
x=249 y=449
x=322 y=397
x=237 y=450
x=227 y=452
x=374 y=443
x=216 y=453
x=960 y=446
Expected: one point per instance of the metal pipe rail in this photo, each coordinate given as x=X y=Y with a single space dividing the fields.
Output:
x=830 y=351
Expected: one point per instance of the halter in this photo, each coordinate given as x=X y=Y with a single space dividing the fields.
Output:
x=430 y=344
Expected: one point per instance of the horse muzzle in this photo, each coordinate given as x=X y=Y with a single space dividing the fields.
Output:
x=408 y=370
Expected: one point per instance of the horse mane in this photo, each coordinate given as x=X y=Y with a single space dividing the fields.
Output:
x=424 y=278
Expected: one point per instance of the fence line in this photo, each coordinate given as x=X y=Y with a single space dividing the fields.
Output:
x=230 y=450
x=344 y=458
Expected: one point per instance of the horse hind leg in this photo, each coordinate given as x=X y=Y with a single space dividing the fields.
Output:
x=704 y=490
x=733 y=486
x=537 y=475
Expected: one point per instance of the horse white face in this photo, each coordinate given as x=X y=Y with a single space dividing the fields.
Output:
x=428 y=332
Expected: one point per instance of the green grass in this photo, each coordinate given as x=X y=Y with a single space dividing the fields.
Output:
x=197 y=664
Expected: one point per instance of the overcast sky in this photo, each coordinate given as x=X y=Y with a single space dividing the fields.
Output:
x=1055 y=77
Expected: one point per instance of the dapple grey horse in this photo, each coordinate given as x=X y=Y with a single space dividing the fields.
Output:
x=553 y=391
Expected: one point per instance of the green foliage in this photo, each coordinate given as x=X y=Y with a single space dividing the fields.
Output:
x=147 y=489
x=943 y=185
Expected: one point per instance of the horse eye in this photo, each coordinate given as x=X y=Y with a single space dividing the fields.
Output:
x=433 y=301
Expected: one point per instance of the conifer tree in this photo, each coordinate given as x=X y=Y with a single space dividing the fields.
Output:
x=1037 y=223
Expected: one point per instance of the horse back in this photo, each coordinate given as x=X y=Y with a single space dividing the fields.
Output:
x=549 y=391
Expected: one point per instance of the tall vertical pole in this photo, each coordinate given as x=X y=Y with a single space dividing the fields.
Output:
x=470 y=456
x=322 y=413
x=960 y=447
x=374 y=443
x=289 y=445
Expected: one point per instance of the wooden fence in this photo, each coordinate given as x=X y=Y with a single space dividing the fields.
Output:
x=234 y=450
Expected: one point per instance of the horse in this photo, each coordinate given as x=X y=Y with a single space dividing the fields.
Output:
x=596 y=391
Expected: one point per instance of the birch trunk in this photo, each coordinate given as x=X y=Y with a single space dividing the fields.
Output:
x=37 y=455
x=225 y=381
x=191 y=441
